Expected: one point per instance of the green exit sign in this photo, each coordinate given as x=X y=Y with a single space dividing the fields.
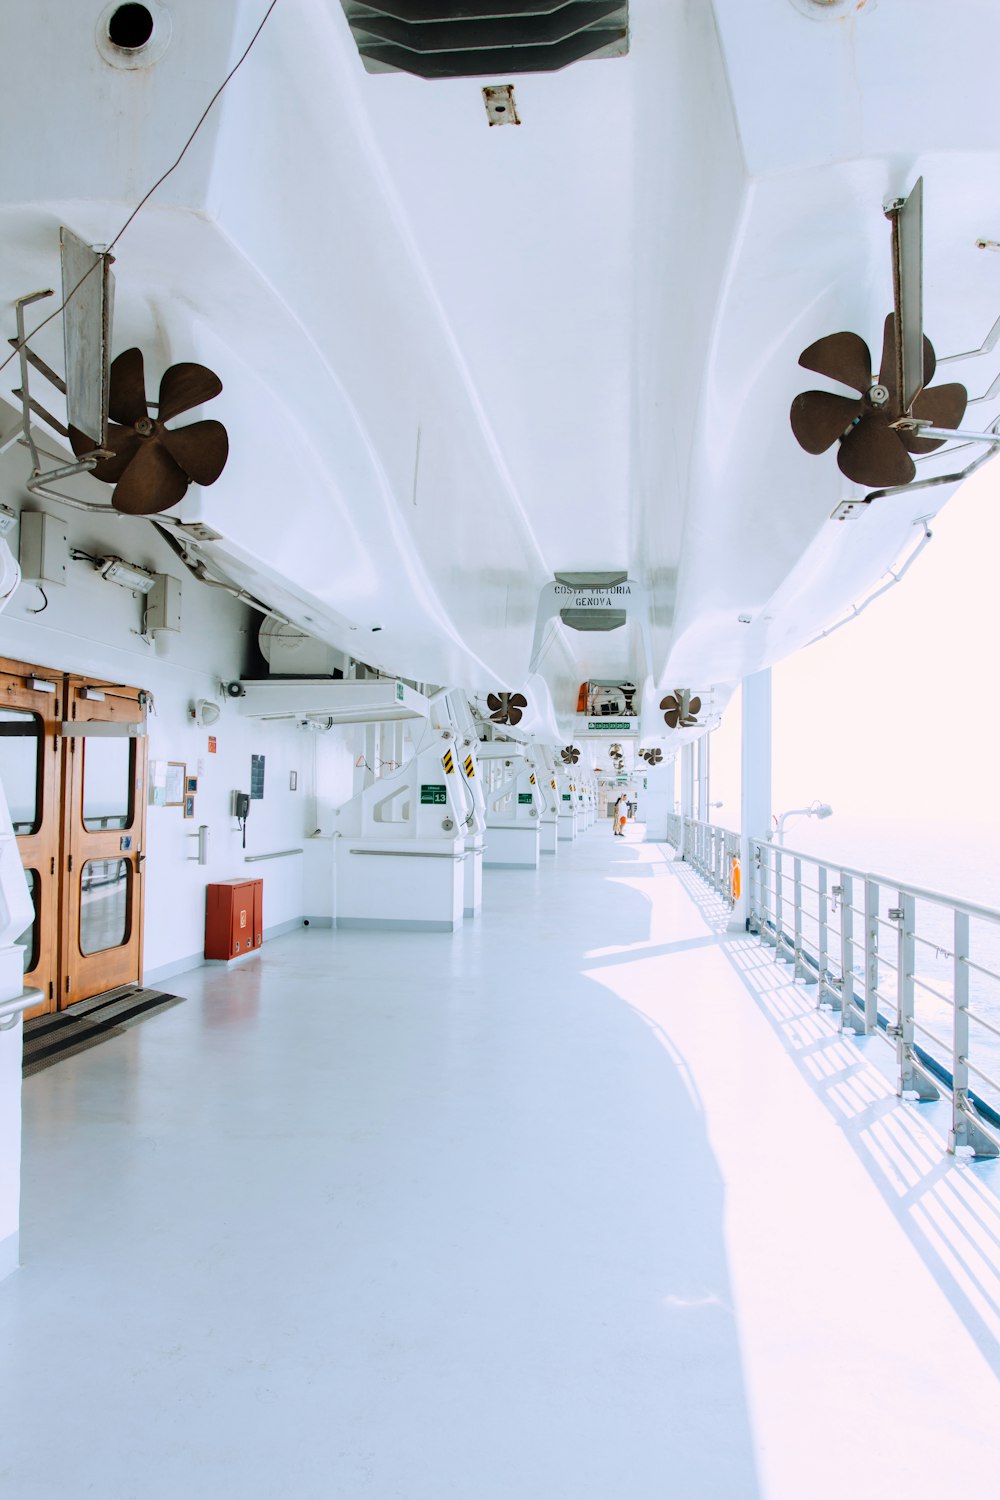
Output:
x=433 y=794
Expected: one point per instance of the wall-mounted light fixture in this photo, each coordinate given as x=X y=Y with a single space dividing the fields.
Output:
x=129 y=576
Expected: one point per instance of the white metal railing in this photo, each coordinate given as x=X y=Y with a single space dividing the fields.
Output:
x=707 y=848
x=918 y=969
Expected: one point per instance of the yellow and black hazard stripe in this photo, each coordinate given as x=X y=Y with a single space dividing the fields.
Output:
x=531 y=778
x=553 y=783
x=448 y=763
x=470 y=766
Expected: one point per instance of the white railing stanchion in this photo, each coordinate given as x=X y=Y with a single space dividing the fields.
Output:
x=848 y=1013
x=871 y=957
x=966 y=1131
x=824 y=992
x=913 y=1079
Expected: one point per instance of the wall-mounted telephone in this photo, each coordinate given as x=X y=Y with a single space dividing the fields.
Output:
x=241 y=811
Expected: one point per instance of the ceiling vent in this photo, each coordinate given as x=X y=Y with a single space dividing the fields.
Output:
x=471 y=38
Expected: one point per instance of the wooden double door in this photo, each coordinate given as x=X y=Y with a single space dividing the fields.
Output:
x=75 y=778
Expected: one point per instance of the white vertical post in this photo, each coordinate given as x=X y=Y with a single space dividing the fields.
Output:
x=755 y=780
x=871 y=956
x=704 y=776
x=848 y=1017
x=687 y=794
x=824 y=993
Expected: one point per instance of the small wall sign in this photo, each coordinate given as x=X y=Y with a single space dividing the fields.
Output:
x=433 y=794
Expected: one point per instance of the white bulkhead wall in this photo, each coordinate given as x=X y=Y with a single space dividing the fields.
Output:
x=93 y=627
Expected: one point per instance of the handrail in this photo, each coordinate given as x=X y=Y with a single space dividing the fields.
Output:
x=854 y=934
x=10 y=1010
x=408 y=854
x=251 y=859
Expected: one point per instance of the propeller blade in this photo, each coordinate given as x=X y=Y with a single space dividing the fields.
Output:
x=184 y=386
x=151 y=483
x=518 y=700
x=513 y=715
x=944 y=405
x=874 y=455
x=840 y=356
x=121 y=440
x=819 y=418
x=669 y=702
x=492 y=701
x=200 y=450
x=127 y=389
x=671 y=716
x=694 y=707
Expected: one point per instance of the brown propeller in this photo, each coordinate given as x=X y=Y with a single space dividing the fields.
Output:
x=872 y=451
x=153 y=465
x=570 y=755
x=652 y=757
x=675 y=712
x=507 y=707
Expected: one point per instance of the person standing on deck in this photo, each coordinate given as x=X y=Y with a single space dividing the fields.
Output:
x=621 y=813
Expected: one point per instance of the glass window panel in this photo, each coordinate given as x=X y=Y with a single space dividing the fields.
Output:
x=28 y=940
x=21 y=766
x=107 y=782
x=103 y=904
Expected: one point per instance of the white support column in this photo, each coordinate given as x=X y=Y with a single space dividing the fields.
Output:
x=704 y=777
x=687 y=793
x=755 y=780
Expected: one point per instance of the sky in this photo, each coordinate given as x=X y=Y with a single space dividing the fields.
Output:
x=896 y=716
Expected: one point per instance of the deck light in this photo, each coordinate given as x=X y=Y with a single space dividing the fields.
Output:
x=815 y=809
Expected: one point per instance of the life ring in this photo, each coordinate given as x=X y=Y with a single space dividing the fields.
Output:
x=734 y=879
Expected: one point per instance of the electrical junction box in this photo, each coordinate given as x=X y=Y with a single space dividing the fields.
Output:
x=44 y=548
x=163 y=604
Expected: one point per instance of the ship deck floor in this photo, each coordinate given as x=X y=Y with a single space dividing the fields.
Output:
x=586 y=1201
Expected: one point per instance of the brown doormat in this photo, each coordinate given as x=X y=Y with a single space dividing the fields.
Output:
x=48 y=1039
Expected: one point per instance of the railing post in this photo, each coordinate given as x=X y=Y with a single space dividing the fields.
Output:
x=848 y=1014
x=766 y=912
x=871 y=957
x=965 y=1129
x=781 y=942
x=799 y=970
x=912 y=1077
x=824 y=993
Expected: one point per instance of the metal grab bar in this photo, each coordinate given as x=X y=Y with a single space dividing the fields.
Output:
x=407 y=854
x=10 y=1010
x=250 y=859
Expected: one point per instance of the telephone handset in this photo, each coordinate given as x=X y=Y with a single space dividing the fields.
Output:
x=241 y=811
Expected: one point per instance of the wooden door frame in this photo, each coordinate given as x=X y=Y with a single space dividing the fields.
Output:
x=42 y=850
x=83 y=975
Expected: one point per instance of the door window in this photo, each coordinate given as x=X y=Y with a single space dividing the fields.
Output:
x=108 y=778
x=104 y=904
x=21 y=741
